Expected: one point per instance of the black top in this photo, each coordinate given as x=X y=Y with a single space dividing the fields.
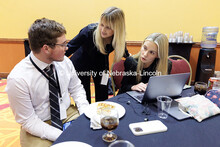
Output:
x=86 y=55
x=129 y=79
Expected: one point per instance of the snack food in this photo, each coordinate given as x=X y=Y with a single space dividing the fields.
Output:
x=102 y=106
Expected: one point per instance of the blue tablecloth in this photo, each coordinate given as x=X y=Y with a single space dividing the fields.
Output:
x=185 y=133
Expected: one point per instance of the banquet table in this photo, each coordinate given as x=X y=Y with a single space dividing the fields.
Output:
x=184 y=133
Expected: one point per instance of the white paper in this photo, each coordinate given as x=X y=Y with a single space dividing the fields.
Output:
x=105 y=77
x=63 y=114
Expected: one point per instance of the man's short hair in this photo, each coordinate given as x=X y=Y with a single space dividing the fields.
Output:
x=44 y=31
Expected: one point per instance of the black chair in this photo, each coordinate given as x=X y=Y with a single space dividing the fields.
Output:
x=26 y=47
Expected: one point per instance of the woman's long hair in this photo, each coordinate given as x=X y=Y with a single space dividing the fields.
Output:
x=115 y=18
x=162 y=64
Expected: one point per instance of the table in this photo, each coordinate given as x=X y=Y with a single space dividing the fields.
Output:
x=185 y=133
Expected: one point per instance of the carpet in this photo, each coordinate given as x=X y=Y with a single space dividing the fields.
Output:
x=9 y=129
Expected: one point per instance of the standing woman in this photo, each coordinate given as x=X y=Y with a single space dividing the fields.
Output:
x=152 y=60
x=92 y=46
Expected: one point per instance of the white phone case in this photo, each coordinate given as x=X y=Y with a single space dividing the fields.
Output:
x=148 y=127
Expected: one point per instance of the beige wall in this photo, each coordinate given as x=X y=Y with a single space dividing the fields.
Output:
x=142 y=16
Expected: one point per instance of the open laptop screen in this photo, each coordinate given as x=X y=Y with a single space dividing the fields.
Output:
x=169 y=85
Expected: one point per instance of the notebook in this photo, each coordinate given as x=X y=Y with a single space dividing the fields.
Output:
x=169 y=85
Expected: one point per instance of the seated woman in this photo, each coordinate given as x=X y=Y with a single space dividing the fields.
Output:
x=152 y=60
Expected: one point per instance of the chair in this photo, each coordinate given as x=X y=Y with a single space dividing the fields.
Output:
x=117 y=75
x=26 y=47
x=180 y=65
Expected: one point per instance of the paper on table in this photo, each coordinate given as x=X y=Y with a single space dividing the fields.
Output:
x=95 y=122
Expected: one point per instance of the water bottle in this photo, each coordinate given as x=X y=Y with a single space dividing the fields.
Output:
x=209 y=37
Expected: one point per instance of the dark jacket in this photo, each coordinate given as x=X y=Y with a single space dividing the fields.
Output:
x=129 y=80
x=86 y=56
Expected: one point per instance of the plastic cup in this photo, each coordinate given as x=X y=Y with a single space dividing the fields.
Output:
x=163 y=106
x=216 y=85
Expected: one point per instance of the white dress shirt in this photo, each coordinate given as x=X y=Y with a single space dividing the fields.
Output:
x=28 y=94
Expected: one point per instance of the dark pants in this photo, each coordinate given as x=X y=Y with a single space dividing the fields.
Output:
x=101 y=91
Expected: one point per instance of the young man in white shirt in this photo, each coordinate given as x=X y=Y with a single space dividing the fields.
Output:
x=28 y=90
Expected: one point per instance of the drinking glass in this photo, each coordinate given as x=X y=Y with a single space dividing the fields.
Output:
x=109 y=122
x=121 y=143
x=163 y=106
x=200 y=88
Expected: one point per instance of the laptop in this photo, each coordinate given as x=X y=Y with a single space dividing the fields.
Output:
x=169 y=85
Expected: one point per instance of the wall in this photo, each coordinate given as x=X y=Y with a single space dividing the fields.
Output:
x=142 y=16
x=12 y=51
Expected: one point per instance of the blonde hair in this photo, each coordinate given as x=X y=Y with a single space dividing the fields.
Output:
x=114 y=17
x=162 y=65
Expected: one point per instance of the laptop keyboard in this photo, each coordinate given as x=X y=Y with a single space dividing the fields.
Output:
x=140 y=97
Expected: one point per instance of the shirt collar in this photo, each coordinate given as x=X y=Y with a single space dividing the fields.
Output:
x=40 y=64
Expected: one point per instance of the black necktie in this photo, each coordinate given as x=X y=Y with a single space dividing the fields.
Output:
x=54 y=100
